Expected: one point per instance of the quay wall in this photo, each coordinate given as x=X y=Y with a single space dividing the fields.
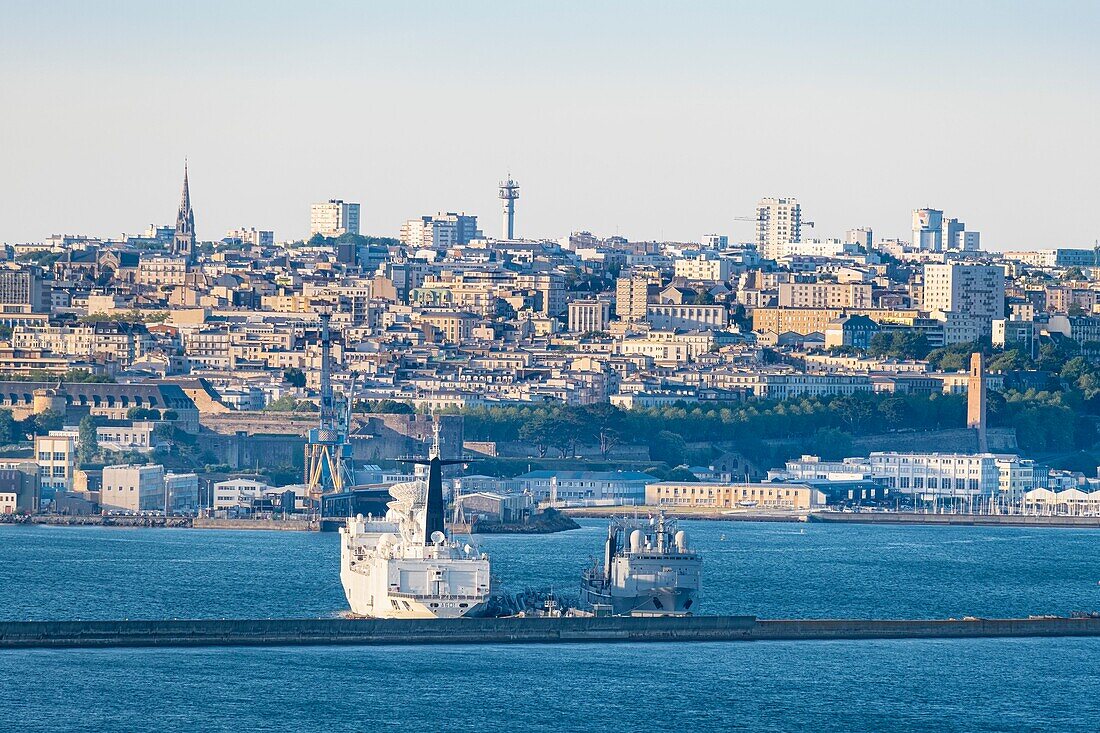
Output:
x=340 y=631
x=286 y=525
x=1002 y=520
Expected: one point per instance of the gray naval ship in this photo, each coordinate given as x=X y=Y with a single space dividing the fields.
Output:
x=648 y=570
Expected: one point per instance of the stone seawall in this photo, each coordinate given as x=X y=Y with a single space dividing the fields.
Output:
x=284 y=632
x=286 y=525
x=971 y=520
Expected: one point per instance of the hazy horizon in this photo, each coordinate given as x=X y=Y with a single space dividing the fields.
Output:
x=628 y=118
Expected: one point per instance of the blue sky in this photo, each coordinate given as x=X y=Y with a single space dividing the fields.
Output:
x=652 y=120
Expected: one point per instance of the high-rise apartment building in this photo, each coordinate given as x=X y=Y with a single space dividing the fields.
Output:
x=778 y=221
x=440 y=231
x=862 y=237
x=334 y=218
x=21 y=289
x=975 y=292
x=632 y=297
x=968 y=241
x=928 y=230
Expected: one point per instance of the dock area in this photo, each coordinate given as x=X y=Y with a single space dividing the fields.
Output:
x=966 y=520
x=373 y=632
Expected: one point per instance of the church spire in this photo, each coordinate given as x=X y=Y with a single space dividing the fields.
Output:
x=183 y=242
x=185 y=200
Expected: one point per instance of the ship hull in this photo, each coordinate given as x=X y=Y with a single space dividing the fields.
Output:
x=652 y=602
x=367 y=586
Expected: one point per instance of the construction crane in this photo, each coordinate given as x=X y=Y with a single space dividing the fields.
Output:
x=757 y=218
x=327 y=450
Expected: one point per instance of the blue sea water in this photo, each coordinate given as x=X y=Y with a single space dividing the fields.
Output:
x=770 y=570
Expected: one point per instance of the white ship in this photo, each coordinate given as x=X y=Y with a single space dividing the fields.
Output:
x=647 y=571
x=404 y=565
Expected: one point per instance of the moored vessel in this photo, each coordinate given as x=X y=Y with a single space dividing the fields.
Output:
x=648 y=570
x=405 y=565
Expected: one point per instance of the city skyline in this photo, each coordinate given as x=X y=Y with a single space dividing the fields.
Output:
x=610 y=120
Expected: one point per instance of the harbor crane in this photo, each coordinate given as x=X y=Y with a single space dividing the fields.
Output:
x=327 y=450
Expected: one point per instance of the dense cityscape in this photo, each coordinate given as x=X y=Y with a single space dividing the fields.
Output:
x=546 y=366
x=183 y=375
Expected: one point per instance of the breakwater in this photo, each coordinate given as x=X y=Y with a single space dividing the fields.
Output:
x=290 y=632
x=971 y=520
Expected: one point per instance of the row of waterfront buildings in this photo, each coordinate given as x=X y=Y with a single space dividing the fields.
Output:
x=203 y=335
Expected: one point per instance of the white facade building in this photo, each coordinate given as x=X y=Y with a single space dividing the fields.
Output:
x=705 y=267
x=252 y=236
x=668 y=317
x=445 y=229
x=967 y=291
x=56 y=457
x=778 y=221
x=928 y=230
x=237 y=493
x=589 y=315
x=334 y=218
x=132 y=488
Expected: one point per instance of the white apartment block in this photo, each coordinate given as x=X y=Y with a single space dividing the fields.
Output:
x=445 y=229
x=708 y=268
x=589 y=315
x=969 y=291
x=131 y=488
x=928 y=230
x=778 y=221
x=56 y=457
x=631 y=297
x=825 y=295
x=861 y=237
x=334 y=218
x=716 y=241
x=252 y=236
x=155 y=271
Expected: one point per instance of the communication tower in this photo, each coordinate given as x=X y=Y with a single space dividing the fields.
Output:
x=509 y=192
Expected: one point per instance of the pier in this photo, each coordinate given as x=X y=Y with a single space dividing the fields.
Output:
x=373 y=632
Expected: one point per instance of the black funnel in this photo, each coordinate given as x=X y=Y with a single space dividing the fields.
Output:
x=433 y=514
x=433 y=511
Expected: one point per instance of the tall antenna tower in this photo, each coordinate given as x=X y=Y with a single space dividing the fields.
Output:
x=509 y=192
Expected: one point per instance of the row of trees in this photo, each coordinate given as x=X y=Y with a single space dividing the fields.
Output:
x=669 y=432
x=1045 y=420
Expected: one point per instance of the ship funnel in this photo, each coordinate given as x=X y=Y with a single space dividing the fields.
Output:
x=433 y=513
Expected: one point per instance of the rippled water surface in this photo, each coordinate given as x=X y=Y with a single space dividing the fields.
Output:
x=770 y=570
